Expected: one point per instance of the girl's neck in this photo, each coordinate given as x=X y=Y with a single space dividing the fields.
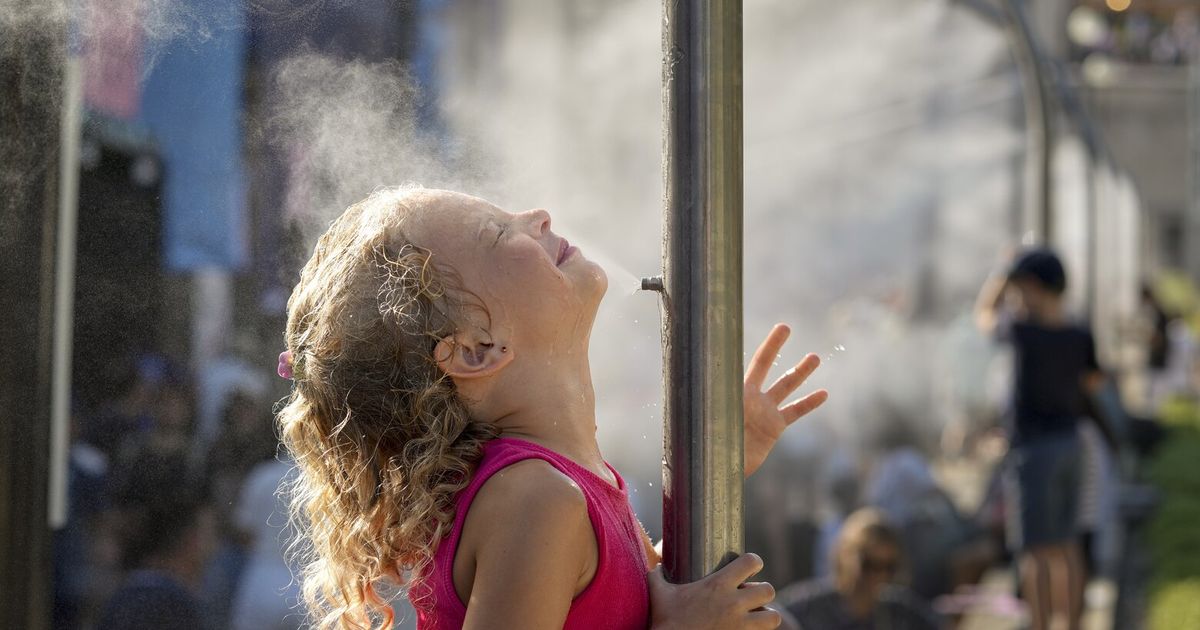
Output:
x=553 y=405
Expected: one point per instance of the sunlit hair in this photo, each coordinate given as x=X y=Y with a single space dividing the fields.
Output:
x=379 y=435
x=865 y=528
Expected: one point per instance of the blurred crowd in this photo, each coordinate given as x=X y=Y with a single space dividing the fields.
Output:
x=892 y=535
x=175 y=519
x=1140 y=36
x=171 y=525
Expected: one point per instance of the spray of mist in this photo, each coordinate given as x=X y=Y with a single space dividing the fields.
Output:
x=347 y=128
x=880 y=155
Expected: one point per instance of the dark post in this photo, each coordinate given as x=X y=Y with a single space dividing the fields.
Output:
x=32 y=57
x=1038 y=209
x=702 y=262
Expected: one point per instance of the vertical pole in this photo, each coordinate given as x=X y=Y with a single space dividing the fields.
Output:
x=1038 y=211
x=702 y=262
x=64 y=289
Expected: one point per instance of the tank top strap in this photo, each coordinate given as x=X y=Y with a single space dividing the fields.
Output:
x=508 y=451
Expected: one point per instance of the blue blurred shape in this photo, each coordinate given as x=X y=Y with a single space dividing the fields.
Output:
x=192 y=103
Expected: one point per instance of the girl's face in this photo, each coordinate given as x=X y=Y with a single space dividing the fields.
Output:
x=539 y=290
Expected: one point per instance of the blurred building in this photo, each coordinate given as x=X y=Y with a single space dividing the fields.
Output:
x=1135 y=67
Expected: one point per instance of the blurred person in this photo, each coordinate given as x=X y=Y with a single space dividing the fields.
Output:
x=1185 y=28
x=1158 y=347
x=767 y=525
x=442 y=419
x=246 y=440
x=267 y=596
x=841 y=497
x=169 y=539
x=946 y=551
x=165 y=420
x=1055 y=369
x=1097 y=500
x=174 y=420
x=131 y=410
x=1181 y=375
x=219 y=382
x=153 y=461
x=84 y=552
x=863 y=593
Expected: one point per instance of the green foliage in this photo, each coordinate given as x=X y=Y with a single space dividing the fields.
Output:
x=1174 y=533
x=1176 y=606
x=1180 y=413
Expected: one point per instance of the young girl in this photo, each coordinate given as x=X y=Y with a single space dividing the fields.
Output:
x=443 y=422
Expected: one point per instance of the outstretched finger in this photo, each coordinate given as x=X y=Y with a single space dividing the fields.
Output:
x=798 y=409
x=793 y=378
x=764 y=357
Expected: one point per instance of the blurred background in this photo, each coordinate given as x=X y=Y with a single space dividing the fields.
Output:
x=168 y=164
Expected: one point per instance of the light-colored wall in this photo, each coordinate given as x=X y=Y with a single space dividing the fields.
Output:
x=1143 y=117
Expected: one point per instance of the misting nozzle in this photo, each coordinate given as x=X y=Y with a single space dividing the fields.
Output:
x=653 y=283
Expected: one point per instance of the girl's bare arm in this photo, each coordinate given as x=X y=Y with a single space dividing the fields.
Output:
x=534 y=552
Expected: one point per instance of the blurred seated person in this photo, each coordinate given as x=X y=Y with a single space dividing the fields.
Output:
x=267 y=596
x=863 y=593
x=946 y=550
x=169 y=539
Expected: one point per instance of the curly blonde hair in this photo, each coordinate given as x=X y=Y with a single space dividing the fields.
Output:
x=381 y=440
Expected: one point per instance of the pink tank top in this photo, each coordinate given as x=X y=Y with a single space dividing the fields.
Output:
x=617 y=597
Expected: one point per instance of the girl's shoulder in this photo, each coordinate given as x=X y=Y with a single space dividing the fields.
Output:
x=527 y=519
x=530 y=487
x=517 y=485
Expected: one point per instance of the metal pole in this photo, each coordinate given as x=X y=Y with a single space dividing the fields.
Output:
x=1038 y=210
x=64 y=290
x=702 y=302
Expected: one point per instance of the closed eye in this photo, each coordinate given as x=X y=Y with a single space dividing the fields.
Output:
x=499 y=233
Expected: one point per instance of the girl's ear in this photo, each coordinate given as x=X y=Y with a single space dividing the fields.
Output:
x=464 y=357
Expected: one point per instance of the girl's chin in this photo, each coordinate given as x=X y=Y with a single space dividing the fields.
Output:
x=601 y=278
x=592 y=275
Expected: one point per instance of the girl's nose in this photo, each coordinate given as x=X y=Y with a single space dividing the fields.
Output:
x=539 y=221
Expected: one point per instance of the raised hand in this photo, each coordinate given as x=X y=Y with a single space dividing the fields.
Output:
x=766 y=415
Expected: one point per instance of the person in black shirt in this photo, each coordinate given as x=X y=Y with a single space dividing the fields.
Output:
x=1054 y=364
